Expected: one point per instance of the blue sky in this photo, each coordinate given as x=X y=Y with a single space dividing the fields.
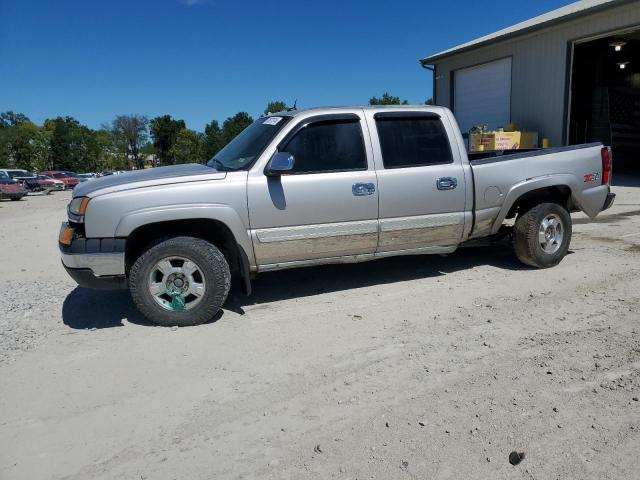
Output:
x=201 y=60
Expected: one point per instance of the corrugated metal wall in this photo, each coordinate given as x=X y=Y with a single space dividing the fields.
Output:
x=539 y=68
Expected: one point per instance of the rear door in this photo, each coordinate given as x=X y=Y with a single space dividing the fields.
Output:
x=328 y=205
x=422 y=188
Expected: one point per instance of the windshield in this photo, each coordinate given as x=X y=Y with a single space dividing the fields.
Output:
x=3 y=176
x=243 y=150
x=18 y=173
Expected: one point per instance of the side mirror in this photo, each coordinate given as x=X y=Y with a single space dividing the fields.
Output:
x=280 y=164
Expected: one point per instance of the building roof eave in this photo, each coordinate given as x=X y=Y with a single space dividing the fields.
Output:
x=560 y=15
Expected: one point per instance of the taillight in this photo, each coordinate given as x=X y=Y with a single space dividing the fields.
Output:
x=605 y=153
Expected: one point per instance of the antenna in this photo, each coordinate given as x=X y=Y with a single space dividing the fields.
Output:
x=295 y=106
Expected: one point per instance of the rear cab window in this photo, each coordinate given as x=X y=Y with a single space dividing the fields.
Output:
x=412 y=139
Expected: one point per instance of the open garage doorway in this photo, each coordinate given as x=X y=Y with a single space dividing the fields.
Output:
x=605 y=96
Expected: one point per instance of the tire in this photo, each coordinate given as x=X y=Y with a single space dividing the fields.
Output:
x=161 y=301
x=16 y=199
x=542 y=235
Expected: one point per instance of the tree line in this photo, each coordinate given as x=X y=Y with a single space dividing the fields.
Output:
x=128 y=142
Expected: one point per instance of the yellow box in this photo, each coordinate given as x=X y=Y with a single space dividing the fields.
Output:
x=503 y=140
x=529 y=140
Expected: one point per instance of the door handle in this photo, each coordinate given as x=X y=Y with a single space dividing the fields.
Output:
x=446 y=183
x=362 y=189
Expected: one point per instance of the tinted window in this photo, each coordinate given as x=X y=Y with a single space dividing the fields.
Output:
x=412 y=142
x=328 y=146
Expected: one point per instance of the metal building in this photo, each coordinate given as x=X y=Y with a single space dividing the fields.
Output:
x=572 y=74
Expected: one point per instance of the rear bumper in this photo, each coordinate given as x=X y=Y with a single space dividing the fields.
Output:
x=609 y=200
x=14 y=194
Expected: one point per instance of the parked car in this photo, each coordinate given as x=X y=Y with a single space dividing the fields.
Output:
x=10 y=188
x=66 y=177
x=321 y=186
x=83 y=177
x=27 y=179
x=48 y=182
x=18 y=174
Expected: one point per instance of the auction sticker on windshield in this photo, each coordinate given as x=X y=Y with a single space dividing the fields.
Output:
x=272 y=121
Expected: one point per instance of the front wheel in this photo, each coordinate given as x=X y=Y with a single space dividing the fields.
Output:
x=180 y=281
x=542 y=235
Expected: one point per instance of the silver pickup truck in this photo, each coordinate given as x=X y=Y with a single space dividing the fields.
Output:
x=318 y=186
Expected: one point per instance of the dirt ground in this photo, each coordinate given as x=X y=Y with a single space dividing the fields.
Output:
x=417 y=367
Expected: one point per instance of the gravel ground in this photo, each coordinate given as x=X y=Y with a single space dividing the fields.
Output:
x=417 y=367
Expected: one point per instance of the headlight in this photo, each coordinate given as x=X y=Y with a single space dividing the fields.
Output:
x=78 y=206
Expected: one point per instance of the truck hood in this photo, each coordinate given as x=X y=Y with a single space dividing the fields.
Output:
x=147 y=178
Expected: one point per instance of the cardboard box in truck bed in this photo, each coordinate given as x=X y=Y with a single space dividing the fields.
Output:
x=503 y=140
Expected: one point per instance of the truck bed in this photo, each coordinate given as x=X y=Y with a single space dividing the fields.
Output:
x=500 y=177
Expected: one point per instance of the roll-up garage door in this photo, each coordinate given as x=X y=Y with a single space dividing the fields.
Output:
x=482 y=95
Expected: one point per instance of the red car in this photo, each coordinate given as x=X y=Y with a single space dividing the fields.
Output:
x=68 y=178
x=9 y=188
x=48 y=182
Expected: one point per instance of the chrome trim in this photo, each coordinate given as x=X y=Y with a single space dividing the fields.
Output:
x=100 y=264
x=357 y=258
x=363 y=189
x=421 y=221
x=446 y=183
x=283 y=234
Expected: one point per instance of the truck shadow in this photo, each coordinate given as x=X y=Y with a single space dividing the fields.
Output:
x=304 y=282
x=86 y=309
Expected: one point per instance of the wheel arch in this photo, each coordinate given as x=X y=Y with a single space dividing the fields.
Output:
x=561 y=189
x=142 y=229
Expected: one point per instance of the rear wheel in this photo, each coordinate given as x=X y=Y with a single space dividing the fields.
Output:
x=542 y=235
x=180 y=281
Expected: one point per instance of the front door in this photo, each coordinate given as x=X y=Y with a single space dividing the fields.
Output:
x=328 y=205
x=422 y=188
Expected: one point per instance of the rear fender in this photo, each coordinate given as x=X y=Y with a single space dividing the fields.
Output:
x=518 y=190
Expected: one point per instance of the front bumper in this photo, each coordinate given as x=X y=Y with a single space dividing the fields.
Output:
x=609 y=200
x=86 y=278
x=95 y=262
x=13 y=194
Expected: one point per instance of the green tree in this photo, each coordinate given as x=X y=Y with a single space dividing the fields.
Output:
x=148 y=149
x=164 y=131
x=186 y=148
x=275 y=106
x=212 y=140
x=387 y=99
x=64 y=153
x=119 y=159
x=41 y=149
x=232 y=126
x=429 y=101
x=10 y=119
x=16 y=148
x=133 y=129
x=104 y=154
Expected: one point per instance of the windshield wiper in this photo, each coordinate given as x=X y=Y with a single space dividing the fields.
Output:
x=218 y=165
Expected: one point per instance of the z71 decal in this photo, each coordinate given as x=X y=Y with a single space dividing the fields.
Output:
x=591 y=177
